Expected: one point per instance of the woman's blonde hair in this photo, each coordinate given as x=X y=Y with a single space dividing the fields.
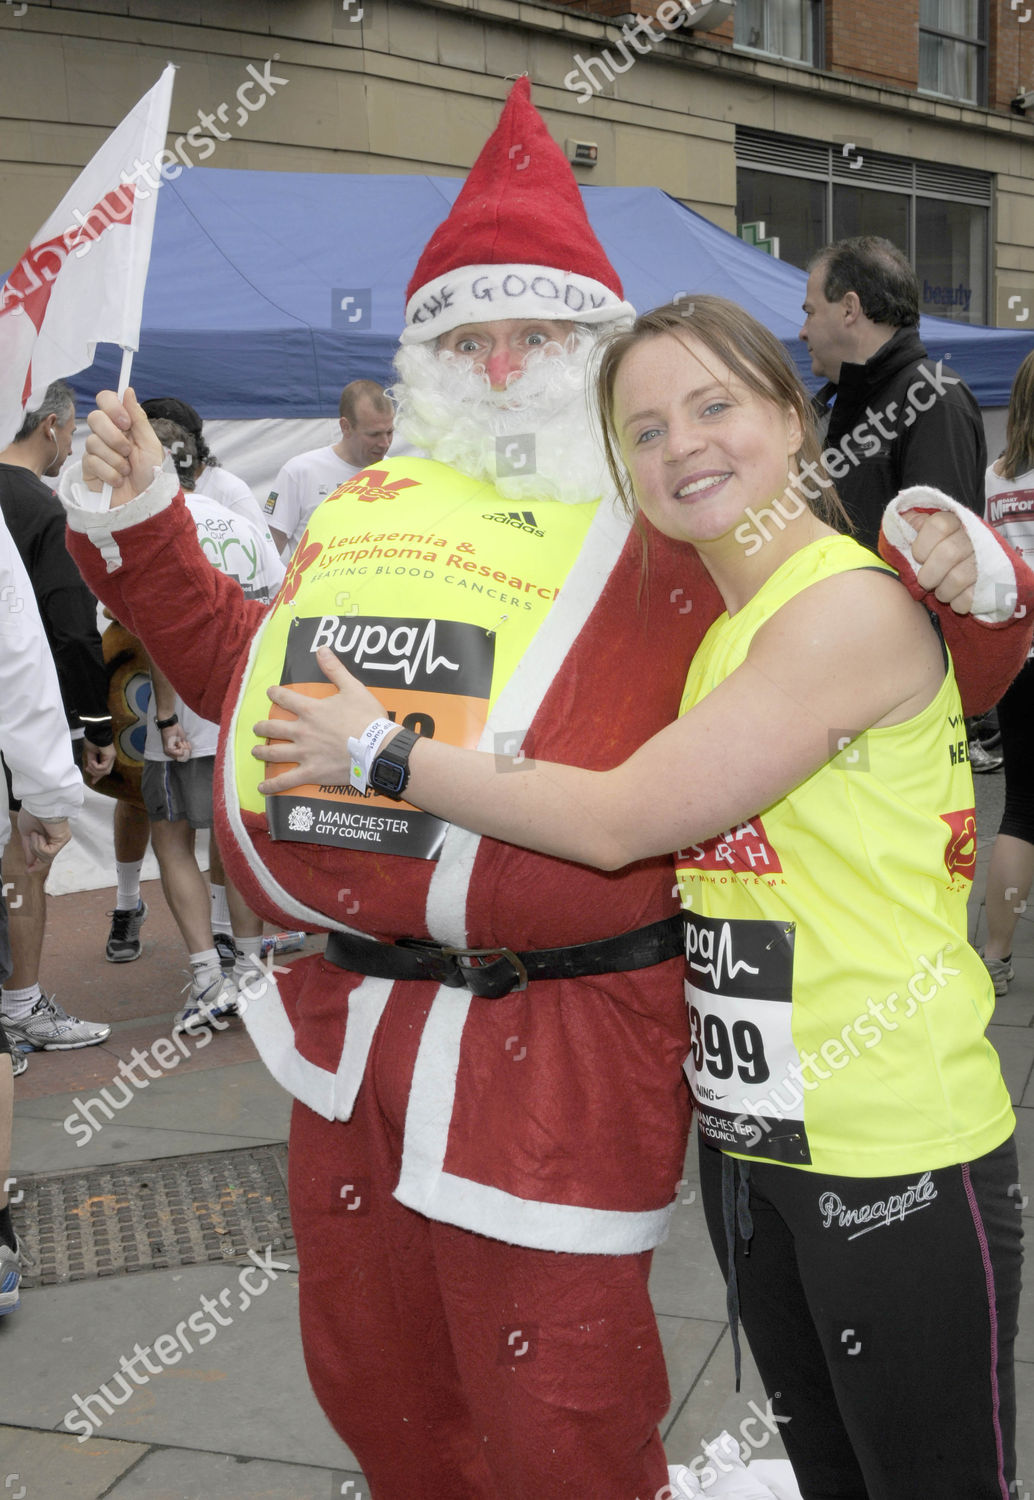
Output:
x=753 y=354
x=1019 y=426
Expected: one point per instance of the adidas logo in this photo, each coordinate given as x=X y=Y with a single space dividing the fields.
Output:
x=521 y=520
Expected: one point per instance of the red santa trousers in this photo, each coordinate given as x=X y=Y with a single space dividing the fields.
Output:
x=457 y=1367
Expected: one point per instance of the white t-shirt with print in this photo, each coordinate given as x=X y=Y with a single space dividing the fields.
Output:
x=230 y=490
x=303 y=482
x=237 y=547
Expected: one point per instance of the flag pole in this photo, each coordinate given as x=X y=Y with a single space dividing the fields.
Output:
x=124 y=374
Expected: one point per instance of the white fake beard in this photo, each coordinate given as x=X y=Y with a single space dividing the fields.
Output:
x=535 y=439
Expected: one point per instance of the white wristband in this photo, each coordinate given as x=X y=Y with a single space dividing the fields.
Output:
x=364 y=750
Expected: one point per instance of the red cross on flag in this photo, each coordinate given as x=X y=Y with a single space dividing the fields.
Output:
x=81 y=281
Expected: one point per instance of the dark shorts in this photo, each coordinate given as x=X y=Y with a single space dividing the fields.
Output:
x=179 y=790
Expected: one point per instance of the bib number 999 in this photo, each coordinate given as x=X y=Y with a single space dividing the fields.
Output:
x=717 y=1050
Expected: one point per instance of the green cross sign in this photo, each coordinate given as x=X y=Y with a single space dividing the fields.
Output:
x=754 y=234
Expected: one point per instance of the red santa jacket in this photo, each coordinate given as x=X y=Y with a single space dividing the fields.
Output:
x=578 y=1144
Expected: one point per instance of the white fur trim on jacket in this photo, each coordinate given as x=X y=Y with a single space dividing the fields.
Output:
x=83 y=508
x=994 y=594
x=425 y=1186
x=331 y=1095
x=521 y=700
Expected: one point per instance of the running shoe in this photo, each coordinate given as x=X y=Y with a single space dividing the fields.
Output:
x=226 y=949
x=983 y=760
x=19 y=1062
x=49 y=1028
x=1001 y=971
x=205 y=1005
x=10 y=1277
x=124 y=943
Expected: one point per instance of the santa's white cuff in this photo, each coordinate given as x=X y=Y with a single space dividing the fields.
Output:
x=83 y=508
x=994 y=593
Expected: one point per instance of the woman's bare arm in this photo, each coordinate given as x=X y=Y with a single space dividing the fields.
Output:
x=848 y=653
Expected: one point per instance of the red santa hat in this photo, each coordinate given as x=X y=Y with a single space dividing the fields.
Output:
x=517 y=243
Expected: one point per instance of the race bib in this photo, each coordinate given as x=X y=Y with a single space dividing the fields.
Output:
x=743 y=1068
x=433 y=676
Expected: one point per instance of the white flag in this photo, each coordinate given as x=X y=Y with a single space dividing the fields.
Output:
x=81 y=281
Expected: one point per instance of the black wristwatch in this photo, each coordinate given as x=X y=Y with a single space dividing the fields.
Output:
x=389 y=772
x=167 y=723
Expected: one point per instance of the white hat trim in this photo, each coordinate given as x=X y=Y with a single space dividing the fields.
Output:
x=484 y=294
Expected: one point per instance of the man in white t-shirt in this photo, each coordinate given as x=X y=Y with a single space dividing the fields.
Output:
x=367 y=424
x=179 y=760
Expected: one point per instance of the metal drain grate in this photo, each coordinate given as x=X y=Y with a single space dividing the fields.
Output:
x=148 y=1215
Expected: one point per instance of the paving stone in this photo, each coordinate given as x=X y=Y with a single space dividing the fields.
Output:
x=240 y=1390
x=175 y=1475
x=55 y=1466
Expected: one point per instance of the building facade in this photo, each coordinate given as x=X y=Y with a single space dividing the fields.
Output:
x=791 y=122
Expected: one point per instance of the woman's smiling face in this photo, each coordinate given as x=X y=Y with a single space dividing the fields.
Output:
x=700 y=446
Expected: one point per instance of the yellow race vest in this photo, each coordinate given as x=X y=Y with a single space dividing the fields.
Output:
x=837 y=1013
x=429 y=587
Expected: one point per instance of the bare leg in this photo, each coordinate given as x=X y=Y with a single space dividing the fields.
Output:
x=1009 y=877
x=132 y=830
x=183 y=883
x=243 y=920
x=27 y=907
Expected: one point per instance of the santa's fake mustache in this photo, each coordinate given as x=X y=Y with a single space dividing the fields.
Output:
x=534 y=439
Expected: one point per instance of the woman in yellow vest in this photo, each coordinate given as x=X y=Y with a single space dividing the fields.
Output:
x=857 y=1162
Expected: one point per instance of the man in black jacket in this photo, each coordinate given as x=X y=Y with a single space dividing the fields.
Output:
x=899 y=418
x=36 y=521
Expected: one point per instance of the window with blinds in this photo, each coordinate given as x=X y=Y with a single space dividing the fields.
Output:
x=808 y=193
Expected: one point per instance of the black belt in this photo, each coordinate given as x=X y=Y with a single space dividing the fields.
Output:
x=494 y=972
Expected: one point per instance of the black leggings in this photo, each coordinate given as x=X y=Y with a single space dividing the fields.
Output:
x=886 y=1339
x=1016 y=721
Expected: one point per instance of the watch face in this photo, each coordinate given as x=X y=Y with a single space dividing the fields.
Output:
x=386 y=776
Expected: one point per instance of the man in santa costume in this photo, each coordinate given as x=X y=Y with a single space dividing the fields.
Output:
x=491 y=1120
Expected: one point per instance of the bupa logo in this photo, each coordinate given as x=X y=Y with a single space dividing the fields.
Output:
x=960 y=854
x=370 y=485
